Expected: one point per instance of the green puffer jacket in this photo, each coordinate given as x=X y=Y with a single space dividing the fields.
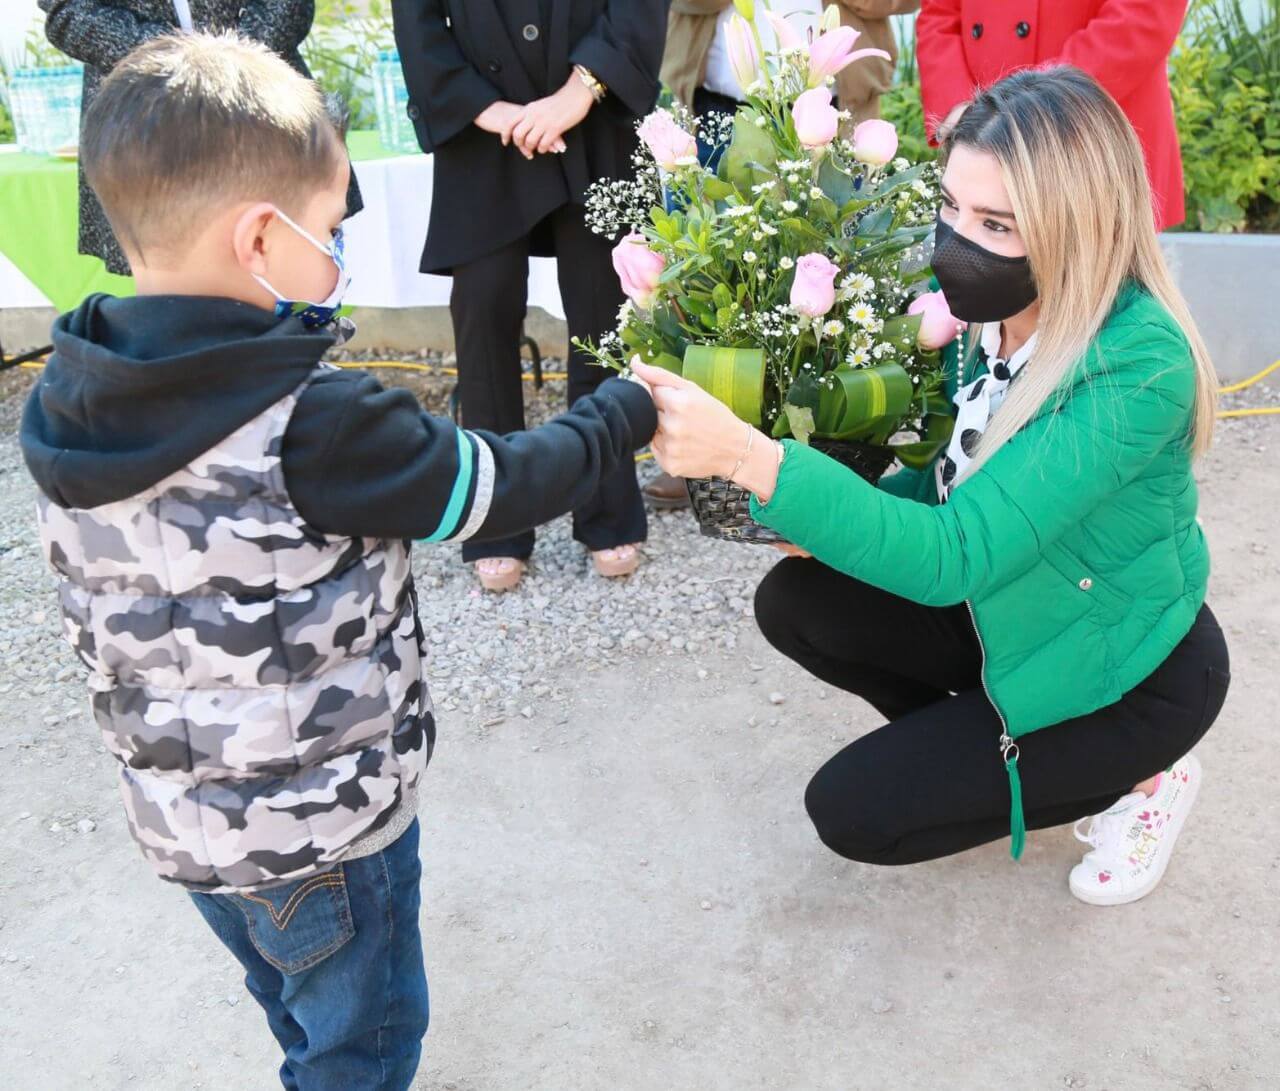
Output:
x=1075 y=546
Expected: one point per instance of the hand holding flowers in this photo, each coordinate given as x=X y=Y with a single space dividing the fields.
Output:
x=781 y=280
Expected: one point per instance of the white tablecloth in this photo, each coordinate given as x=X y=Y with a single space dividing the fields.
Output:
x=384 y=244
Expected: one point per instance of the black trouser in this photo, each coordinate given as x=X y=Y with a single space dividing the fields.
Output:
x=488 y=307
x=930 y=782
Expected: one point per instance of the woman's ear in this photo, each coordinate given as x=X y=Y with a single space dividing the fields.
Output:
x=251 y=236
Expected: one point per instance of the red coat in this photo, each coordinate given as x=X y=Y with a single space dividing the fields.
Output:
x=1123 y=44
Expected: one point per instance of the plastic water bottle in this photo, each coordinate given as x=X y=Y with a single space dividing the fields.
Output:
x=382 y=107
x=406 y=137
x=46 y=107
x=395 y=128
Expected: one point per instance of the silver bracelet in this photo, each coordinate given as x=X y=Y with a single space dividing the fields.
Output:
x=751 y=435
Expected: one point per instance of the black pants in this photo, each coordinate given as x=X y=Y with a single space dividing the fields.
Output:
x=930 y=782
x=488 y=307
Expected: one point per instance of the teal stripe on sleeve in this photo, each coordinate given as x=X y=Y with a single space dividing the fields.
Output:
x=461 y=486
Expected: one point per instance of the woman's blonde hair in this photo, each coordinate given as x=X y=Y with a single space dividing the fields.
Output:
x=1078 y=183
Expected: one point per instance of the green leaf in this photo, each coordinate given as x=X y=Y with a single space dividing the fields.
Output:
x=801 y=420
x=750 y=156
x=903 y=330
x=676 y=269
x=804 y=229
x=721 y=295
x=835 y=183
x=875 y=223
x=804 y=392
x=717 y=189
x=895 y=182
x=937 y=434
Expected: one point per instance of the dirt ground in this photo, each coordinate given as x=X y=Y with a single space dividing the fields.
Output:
x=623 y=892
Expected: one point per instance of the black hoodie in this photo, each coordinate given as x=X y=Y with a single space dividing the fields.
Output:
x=138 y=388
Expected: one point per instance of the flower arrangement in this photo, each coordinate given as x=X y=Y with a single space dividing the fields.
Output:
x=777 y=268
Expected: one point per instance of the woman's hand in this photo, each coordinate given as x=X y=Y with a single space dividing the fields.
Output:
x=700 y=437
x=500 y=118
x=545 y=121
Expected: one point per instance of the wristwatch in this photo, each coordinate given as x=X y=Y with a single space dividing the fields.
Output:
x=598 y=90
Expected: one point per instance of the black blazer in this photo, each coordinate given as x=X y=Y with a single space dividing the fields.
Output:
x=100 y=33
x=459 y=56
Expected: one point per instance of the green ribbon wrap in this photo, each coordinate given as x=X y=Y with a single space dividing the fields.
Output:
x=861 y=398
x=854 y=402
x=732 y=376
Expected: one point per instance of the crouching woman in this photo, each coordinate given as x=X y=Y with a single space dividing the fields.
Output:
x=1028 y=613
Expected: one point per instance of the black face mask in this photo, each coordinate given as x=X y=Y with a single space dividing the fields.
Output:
x=980 y=286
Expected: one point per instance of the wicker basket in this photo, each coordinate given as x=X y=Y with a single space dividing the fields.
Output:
x=723 y=509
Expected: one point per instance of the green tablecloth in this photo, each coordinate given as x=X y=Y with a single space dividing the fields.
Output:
x=39 y=222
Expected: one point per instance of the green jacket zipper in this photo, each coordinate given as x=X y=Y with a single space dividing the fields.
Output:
x=1009 y=754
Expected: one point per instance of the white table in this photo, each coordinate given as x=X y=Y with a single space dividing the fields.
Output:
x=383 y=247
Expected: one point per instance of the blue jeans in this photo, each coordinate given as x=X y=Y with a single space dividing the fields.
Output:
x=335 y=960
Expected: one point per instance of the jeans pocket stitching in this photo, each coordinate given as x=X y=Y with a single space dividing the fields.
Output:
x=334 y=881
x=285 y=914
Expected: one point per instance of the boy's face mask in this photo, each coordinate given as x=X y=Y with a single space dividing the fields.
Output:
x=315 y=315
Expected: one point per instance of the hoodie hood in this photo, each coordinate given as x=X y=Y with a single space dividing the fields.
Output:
x=138 y=388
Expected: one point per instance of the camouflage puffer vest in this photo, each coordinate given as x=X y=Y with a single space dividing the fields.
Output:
x=260 y=683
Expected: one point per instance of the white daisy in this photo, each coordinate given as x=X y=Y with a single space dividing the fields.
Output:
x=789 y=206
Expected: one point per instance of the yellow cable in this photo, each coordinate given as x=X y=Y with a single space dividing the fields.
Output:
x=407 y=365
x=1250 y=412
x=1249 y=381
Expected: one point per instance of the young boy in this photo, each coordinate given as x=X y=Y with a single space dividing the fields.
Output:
x=229 y=518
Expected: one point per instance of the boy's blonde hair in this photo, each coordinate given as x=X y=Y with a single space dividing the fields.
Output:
x=187 y=124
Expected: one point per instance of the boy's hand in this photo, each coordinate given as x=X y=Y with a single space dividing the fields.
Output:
x=500 y=118
x=546 y=120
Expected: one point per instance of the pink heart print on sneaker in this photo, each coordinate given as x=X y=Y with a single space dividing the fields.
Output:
x=1131 y=842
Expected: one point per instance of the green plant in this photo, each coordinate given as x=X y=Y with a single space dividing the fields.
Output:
x=341 y=50
x=1225 y=79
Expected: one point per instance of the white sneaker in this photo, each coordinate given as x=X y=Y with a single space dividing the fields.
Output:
x=1132 y=842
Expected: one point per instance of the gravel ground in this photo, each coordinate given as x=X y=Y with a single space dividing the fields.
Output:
x=488 y=651
x=621 y=889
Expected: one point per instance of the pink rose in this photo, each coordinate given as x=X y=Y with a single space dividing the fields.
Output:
x=833 y=51
x=815 y=118
x=939 y=326
x=875 y=142
x=813 y=292
x=741 y=47
x=666 y=141
x=638 y=269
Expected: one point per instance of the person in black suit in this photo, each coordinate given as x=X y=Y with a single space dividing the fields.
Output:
x=525 y=103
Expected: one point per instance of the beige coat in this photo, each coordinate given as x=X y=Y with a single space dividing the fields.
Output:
x=691 y=28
